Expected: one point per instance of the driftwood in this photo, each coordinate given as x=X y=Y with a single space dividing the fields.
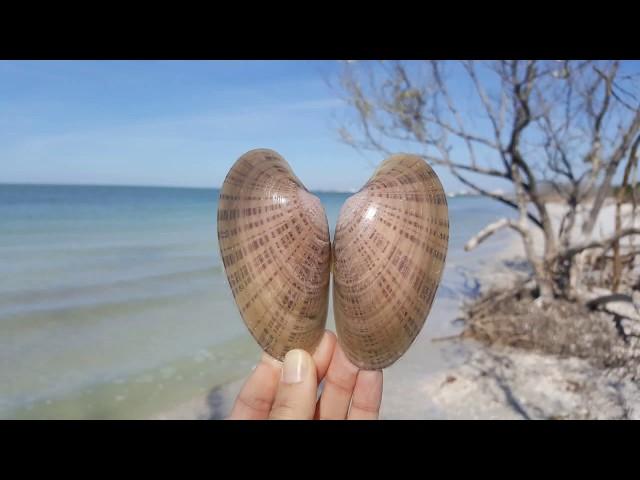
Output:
x=489 y=230
x=622 y=305
x=562 y=328
x=447 y=338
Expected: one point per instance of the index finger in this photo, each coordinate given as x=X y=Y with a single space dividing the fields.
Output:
x=256 y=397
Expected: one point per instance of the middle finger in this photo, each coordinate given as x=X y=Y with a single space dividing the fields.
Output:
x=338 y=387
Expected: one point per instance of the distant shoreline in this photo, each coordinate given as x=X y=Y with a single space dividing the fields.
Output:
x=176 y=187
x=89 y=185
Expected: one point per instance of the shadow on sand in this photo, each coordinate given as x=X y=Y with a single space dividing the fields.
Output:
x=218 y=406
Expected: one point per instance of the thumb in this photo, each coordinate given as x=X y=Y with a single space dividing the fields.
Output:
x=297 y=392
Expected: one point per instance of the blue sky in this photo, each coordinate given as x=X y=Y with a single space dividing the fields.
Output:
x=168 y=123
x=179 y=123
x=176 y=123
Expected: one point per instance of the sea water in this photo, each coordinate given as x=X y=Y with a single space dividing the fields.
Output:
x=114 y=303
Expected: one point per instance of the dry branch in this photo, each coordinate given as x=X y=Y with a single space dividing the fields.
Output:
x=489 y=230
x=533 y=123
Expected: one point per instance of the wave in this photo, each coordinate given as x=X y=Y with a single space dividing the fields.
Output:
x=48 y=306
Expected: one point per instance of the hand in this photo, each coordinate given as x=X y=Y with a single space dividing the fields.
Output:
x=288 y=390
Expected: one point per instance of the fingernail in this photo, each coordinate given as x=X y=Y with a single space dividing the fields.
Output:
x=295 y=366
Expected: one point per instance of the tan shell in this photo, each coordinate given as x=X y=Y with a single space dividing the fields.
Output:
x=389 y=253
x=275 y=247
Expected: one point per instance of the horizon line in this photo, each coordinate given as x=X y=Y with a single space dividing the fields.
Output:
x=36 y=184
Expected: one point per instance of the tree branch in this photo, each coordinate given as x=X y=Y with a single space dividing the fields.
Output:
x=604 y=244
x=489 y=230
x=495 y=196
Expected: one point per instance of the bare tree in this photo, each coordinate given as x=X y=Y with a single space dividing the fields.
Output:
x=564 y=125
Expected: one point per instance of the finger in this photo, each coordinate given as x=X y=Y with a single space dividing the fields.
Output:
x=296 y=397
x=323 y=353
x=338 y=387
x=367 y=396
x=256 y=397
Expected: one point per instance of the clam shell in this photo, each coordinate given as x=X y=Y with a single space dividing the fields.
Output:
x=389 y=253
x=275 y=246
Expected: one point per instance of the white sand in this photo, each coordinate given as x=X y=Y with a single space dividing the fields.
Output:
x=505 y=383
x=514 y=384
x=462 y=380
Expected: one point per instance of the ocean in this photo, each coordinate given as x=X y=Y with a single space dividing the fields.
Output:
x=114 y=303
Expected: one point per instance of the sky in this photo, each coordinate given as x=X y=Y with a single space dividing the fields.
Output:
x=171 y=123
x=174 y=123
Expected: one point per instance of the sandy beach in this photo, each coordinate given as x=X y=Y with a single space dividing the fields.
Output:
x=118 y=308
x=157 y=231
x=440 y=378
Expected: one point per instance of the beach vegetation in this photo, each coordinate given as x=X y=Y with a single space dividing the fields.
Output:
x=561 y=138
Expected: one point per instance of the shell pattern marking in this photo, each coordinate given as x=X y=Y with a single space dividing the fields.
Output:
x=389 y=253
x=275 y=247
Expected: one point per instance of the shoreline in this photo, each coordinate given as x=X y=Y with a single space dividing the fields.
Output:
x=509 y=383
x=419 y=370
x=462 y=379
